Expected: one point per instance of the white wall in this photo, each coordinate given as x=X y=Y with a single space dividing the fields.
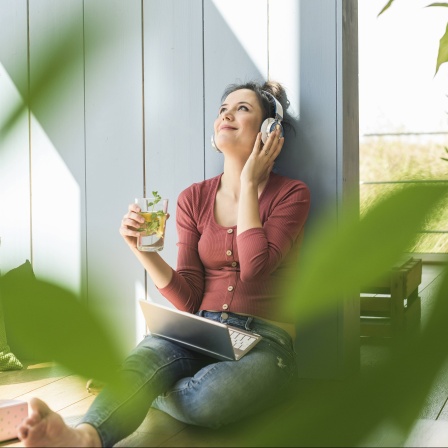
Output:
x=114 y=149
x=57 y=158
x=78 y=157
x=14 y=156
x=135 y=114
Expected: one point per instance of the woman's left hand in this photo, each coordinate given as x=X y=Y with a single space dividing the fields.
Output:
x=261 y=161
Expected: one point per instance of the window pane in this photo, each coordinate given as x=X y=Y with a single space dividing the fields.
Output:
x=403 y=107
x=388 y=162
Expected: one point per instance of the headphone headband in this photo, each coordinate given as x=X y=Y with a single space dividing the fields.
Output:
x=278 y=108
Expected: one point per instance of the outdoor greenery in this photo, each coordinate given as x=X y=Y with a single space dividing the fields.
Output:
x=388 y=163
x=337 y=258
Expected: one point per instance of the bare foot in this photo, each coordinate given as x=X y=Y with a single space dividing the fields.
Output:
x=44 y=427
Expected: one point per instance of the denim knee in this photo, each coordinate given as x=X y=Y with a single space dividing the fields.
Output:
x=191 y=407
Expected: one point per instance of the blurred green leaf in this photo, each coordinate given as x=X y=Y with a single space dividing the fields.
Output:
x=57 y=60
x=340 y=257
x=48 y=322
x=389 y=397
x=444 y=158
x=437 y=4
x=51 y=323
x=386 y=7
x=442 y=56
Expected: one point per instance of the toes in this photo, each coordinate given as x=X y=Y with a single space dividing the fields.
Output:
x=39 y=407
x=33 y=419
x=38 y=411
x=22 y=432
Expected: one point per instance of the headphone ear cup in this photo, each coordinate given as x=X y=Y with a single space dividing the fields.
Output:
x=266 y=128
x=279 y=125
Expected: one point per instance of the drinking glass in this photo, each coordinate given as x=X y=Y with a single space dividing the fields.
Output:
x=151 y=236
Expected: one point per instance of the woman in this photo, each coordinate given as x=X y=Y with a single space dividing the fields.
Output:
x=239 y=234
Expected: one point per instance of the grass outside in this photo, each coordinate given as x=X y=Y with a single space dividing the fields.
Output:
x=404 y=158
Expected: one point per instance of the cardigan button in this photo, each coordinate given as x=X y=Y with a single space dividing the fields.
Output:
x=230 y=288
x=225 y=306
x=229 y=252
x=234 y=263
x=229 y=230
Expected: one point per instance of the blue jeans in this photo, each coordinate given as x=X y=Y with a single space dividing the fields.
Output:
x=194 y=388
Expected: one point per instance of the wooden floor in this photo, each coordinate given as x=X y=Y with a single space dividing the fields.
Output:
x=67 y=394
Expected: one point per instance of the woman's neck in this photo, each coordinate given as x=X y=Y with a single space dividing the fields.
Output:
x=231 y=179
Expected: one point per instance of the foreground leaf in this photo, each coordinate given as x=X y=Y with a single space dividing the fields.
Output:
x=444 y=158
x=47 y=322
x=60 y=58
x=442 y=56
x=340 y=257
x=386 y=7
x=389 y=397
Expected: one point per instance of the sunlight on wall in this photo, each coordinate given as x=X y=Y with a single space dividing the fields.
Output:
x=248 y=11
x=140 y=325
x=52 y=238
x=14 y=180
x=10 y=97
x=284 y=48
x=56 y=211
x=281 y=37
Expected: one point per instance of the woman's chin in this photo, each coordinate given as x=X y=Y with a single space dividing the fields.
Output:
x=229 y=146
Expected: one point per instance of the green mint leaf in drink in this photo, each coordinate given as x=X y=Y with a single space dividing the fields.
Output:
x=155 y=200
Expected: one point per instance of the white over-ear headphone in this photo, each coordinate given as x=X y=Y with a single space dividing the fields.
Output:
x=271 y=124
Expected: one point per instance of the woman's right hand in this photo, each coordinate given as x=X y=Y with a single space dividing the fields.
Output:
x=131 y=221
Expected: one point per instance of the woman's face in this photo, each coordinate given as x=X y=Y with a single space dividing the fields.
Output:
x=238 y=122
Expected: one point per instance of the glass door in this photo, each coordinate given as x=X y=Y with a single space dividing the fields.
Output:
x=403 y=108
